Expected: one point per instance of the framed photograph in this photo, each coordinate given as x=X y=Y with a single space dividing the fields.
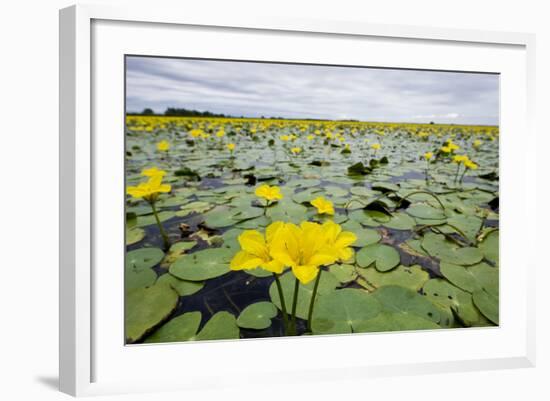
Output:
x=238 y=192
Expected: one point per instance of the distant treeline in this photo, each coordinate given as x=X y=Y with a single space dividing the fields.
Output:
x=176 y=112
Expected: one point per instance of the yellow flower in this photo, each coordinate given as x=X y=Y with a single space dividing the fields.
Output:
x=256 y=250
x=304 y=249
x=428 y=155
x=196 y=133
x=446 y=149
x=470 y=165
x=220 y=133
x=310 y=137
x=339 y=240
x=150 y=189
x=270 y=193
x=296 y=150
x=231 y=146
x=375 y=146
x=460 y=159
x=153 y=172
x=163 y=145
x=477 y=143
x=284 y=138
x=453 y=146
x=323 y=206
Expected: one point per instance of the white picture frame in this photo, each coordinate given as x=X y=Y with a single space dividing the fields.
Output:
x=80 y=209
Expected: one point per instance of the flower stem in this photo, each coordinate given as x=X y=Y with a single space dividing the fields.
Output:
x=165 y=239
x=294 y=305
x=312 y=302
x=283 y=304
x=457 y=170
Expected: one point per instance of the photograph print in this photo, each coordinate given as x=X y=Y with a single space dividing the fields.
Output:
x=268 y=199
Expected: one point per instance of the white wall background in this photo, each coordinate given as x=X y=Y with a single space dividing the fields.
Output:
x=29 y=195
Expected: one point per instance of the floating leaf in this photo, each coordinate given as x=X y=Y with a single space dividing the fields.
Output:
x=402 y=300
x=134 y=235
x=176 y=251
x=182 y=287
x=447 y=251
x=145 y=308
x=424 y=211
x=184 y=328
x=400 y=221
x=202 y=265
x=383 y=256
x=343 y=311
x=412 y=277
x=389 y=321
x=343 y=273
x=257 y=316
x=489 y=247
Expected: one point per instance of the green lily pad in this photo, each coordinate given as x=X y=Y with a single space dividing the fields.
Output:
x=396 y=299
x=343 y=311
x=182 y=287
x=143 y=258
x=257 y=316
x=489 y=247
x=143 y=221
x=452 y=299
x=389 y=321
x=447 y=251
x=145 y=308
x=176 y=251
x=411 y=277
x=202 y=265
x=365 y=236
x=488 y=305
x=344 y=273
x=193 y=207
x=327 y=284
x=469 y=225
x=383 y=256
x=424 y=211
x=134 y=235
x=184 y=328
x=400 y=221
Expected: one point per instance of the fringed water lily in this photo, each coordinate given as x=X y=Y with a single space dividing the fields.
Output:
x=270 y=193
x=255 y=250
x=304 y=249
x=323 y=206
x=163 y=146
x=231 y=147
x=296 y=150
x=428 y=155
x=220 y=133
x=149 y=191
x=375 y=146
x=470 y=165
x=339 y=241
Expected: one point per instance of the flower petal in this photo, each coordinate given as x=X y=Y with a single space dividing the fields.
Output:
x=244 y=261
x=305 y=273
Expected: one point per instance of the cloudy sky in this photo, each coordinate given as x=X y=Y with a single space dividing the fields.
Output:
x=305 y=91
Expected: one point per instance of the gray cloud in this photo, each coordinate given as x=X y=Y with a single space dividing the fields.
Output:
x=305 y=91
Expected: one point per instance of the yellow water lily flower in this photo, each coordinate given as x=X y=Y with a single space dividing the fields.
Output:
x=270 y=193
x=196 y=133
x=150 y=189
x=296 y=150
x=220 y=133
x=310 y=137
x=375 y=146
x=255 y=250
x=163 y=146
x=153 y=172
x=460 y=159
x=428 y=155
x=477 y=143
x=445 y=149
x=340 y=241
x=284 y=138
x=470 y=165
x=231 y=146
x=323 y=206
x=304 y=249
